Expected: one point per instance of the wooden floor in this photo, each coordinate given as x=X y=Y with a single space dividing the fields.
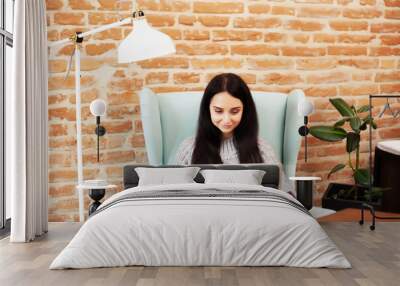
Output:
x=375 y=257
x=354 y=215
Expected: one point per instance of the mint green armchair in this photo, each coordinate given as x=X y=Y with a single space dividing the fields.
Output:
x=169 y=118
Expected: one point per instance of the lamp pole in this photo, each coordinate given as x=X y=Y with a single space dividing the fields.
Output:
x=132 y=50
x=78 y=125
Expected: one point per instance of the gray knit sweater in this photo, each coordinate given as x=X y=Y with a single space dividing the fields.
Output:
x=229 y=155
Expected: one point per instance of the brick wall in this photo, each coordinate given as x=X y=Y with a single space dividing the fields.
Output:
x=328 y=48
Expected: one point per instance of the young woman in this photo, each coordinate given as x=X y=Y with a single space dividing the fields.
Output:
x=227 y=131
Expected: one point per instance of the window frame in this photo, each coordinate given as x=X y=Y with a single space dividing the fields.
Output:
x=6 y=39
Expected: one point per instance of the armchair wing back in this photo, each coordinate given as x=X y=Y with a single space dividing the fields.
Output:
x=169 y=118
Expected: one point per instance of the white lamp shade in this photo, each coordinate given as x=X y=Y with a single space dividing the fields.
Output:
x=143 y=43
x=98 y=107
x=305 y=108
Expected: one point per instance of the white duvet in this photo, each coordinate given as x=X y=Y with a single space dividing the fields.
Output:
x=200 y=231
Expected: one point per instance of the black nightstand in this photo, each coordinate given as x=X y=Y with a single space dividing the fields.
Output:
x=304 y=190
x=96 y=193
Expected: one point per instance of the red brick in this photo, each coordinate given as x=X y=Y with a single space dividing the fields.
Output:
x=315 y=64
x=137 y=141
x=304 y=25
x=387 y=76
x=64 y=18
x=385 y=28
x=165 y=63
x=214 y=21
x=126 y=97
x=174 y=6
x=99 y=18
x=324 y=38
x=279 y=78
x=252 y=22
x=362 y=13
x=392 y=14
x=187 y=20
x=301 y=38
x=175 y=34
x=270 y=64
x=351 y=38
x=122 y=112
x=69 y=82
x=360 y=63
x=157 y=77
x=80 y=5
x=184 y=77
x=384 y=51
x=347 y=51
x=390 y=40
x=54 y=4
x=199 y=35
x=201 y=49
x=62 y=113
x=318 y=12
x=390 y=88
x=303 y=51
x=282 y=10
x=236 y=35
x=349 y=25
x=392 y=3
x=354 y=90
x=114 y=5
x=56 y=66
x=328 y=91
x=329 y=77
x=216 y=63
x=275 y=37
x=160 y=20
x=99 y=49
x=259 y=8
x=126 y=84
x=218 y=7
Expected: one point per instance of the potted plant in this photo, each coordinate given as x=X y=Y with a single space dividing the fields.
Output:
x=340 y=196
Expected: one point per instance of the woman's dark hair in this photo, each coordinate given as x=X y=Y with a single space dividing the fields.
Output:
x=245 y=135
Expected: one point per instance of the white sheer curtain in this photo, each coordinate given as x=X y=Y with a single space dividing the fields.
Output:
x=26 y=128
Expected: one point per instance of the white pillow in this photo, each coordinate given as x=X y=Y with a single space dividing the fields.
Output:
x=164 y=176
x=248 y=177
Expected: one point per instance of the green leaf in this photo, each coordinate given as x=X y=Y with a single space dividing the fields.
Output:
x=363 y=126
x=338 y=167
x=328 y=133
x=341 y=122
x=355 y=123
x=341 y=106
x=370 y=121
x=361 y=176
x=364 y=108
x=352 y=142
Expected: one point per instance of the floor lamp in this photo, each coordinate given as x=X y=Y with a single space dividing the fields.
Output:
x=142 y=43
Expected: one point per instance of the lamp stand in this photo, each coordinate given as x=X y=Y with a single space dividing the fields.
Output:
x=303 y=131
x=167 y=47
x=78 y=125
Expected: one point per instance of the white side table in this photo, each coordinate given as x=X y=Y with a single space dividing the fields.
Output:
x=96 y=193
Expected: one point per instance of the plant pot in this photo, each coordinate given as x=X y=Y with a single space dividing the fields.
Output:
x=329 y=202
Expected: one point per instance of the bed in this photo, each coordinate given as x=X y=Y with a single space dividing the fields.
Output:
x=201 y=224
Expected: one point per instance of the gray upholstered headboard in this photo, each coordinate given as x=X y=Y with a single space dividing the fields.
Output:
x=270 y=179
